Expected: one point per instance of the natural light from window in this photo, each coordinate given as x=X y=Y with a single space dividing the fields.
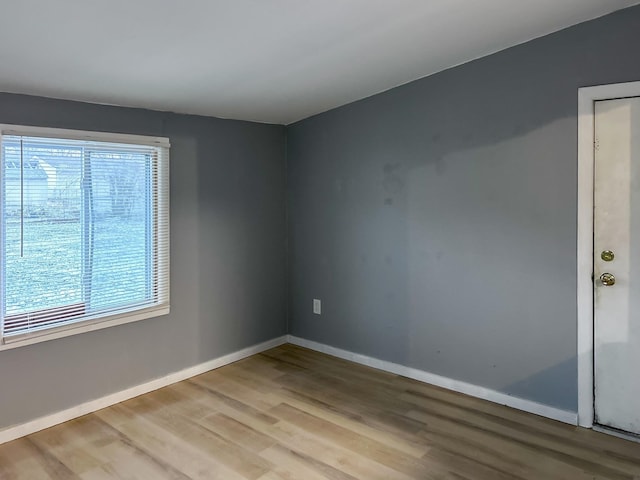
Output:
x=84 y=231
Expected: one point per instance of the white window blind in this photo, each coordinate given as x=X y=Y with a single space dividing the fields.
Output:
x=85 y=231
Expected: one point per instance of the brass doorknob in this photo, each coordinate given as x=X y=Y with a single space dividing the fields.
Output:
x=608 y=279
x=607 y=256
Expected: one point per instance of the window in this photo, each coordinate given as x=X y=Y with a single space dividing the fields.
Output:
x=84 y=231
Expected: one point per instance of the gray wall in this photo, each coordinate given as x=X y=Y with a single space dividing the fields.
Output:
x=228 y=273
x=437 y=221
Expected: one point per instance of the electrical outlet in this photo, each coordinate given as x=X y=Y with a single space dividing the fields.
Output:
x=317 y=306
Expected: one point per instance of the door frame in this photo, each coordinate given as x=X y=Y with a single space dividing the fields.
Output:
x=586 y=140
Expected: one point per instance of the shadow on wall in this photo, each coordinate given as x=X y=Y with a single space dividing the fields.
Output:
x=614 y=389
x=557 y=378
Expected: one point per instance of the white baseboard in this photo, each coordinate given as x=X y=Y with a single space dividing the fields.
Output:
x=444 y=382
x=17 y=431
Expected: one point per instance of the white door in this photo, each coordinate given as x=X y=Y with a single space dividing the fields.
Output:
x=617 y=264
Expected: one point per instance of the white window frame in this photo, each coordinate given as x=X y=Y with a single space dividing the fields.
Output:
x=163 y=204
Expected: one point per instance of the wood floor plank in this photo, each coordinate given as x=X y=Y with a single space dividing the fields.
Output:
x=236 y=431
x=318 y=453
x=211 y=443
x=351 y=441
x=555 y=445
x=229 y=402
x=117 y=451
x=502 y=455
x=65 y=444
x=393 y=424
x=354 y=424
x=178 y=453
x=291 y=465
x=513 y=437
x=23 y=459
x=294 y=414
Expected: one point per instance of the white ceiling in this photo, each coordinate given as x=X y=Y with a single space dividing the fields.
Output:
x=274 y=61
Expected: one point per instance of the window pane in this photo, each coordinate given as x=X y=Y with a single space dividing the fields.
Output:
x=121 y=213
x=42 y=227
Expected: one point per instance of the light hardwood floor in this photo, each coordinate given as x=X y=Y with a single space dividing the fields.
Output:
x=291 y=413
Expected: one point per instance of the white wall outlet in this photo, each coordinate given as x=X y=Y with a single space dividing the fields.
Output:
x=317 y=306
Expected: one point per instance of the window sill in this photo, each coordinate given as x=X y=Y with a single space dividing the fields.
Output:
x=84 y=327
